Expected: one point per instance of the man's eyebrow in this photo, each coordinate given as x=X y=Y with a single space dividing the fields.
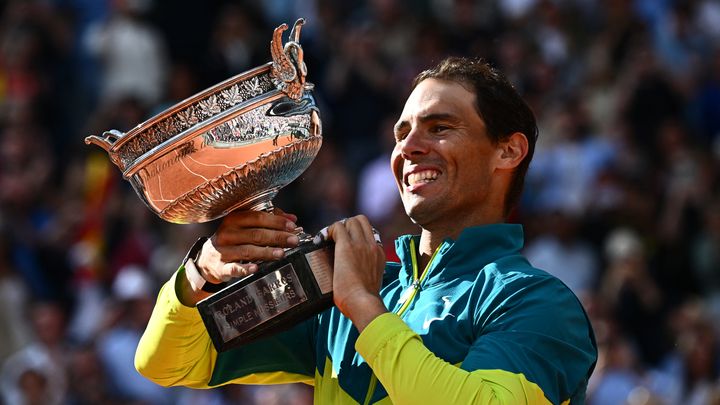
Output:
x=439 y=117
x=426 y=118
x=400 y=125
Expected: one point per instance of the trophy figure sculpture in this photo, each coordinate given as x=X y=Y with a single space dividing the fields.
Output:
x=233 y=146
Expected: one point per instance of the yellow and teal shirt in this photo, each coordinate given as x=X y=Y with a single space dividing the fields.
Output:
x=479 y=326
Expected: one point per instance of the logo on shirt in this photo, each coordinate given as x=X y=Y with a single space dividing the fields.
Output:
x=428 y=321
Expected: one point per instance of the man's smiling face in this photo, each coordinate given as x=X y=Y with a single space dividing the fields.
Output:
x=443 y=160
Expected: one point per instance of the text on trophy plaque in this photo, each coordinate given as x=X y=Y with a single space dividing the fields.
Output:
x=257 y=302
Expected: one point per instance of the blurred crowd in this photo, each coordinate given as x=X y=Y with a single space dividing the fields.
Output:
x=622 y=200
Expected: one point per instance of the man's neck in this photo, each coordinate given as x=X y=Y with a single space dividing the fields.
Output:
x=430 y=241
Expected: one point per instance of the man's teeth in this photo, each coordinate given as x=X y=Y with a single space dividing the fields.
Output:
x=424 y=176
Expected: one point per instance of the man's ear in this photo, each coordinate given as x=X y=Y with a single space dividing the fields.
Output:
x=512 y=151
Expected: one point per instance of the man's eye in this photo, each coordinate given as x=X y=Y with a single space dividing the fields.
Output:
x=438 y=128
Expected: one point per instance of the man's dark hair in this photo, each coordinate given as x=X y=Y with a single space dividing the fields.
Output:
x=497 y=103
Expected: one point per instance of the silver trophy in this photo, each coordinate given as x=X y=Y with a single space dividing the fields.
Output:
x=233 y=146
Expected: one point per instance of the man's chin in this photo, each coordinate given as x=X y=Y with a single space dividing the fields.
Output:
x=419 y=213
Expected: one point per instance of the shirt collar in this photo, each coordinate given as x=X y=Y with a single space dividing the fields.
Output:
x=475 y=248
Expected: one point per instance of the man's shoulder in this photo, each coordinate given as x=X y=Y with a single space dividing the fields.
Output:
x=516 y=271
x=513 y=277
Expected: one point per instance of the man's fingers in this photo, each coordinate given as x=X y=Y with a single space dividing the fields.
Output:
x=354 y=228
x=258 y=237
x=259 y=219
x=291 y=217
x=367 y=229
x=338 y=232
x=238 y=270
x=229 y=271
x=359 y=229
x=240 y=253
x=256 y=228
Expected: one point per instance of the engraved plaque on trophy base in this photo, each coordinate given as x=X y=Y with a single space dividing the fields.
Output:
x=279 y=295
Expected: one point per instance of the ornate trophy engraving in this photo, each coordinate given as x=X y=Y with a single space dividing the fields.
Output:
x=233 y=146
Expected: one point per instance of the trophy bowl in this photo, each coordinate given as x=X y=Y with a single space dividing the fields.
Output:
x=231 y=146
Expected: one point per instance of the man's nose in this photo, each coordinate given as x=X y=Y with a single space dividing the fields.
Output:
x=415 y=143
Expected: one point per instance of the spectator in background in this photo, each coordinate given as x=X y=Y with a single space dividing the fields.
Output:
x=128 y=312
x=357 y=72
x=706 y=255
x=706 y=258
x=87 y=379
x=183 y=82
x=651 y=96
x=377 y=192
x=14 y=327
x=634 y=297
x=618 y=374
x=552 y=39
x=562 y=252
x=37 y=373
x=34 y=229
x=567 y=170
x=691 y=371
x=704 y=109
x=234 y=44
x=29 y=382
x=327 y=189
x=679 y=42
x=684 y=182
x=132 y=52
x=172 y=244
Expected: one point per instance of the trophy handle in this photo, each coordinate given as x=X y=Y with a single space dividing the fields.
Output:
x=266 y=206
x=106 y=140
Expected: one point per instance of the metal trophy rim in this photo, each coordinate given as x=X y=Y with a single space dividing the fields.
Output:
x=232 y=112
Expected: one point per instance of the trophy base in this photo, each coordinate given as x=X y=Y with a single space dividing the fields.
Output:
x=279 y=295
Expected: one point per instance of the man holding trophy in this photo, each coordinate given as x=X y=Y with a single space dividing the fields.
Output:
x=463 y=318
